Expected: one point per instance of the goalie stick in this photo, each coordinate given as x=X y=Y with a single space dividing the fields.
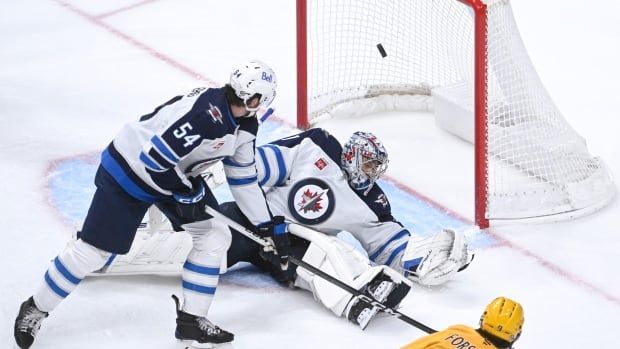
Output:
x=265 y=243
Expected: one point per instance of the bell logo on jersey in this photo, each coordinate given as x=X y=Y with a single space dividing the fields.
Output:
x=215 y=113
x=320 y=164
x=311 y=201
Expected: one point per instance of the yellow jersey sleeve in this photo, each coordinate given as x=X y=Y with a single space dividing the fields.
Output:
x=453 y=337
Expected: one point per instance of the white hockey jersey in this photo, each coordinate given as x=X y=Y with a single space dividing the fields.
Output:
x=304 y=182
x=152 y=157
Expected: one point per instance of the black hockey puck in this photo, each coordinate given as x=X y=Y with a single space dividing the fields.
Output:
x=381 y=50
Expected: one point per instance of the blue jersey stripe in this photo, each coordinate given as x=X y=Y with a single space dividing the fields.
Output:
x=395 y=253
x=163 y=148
x=200 y=269
x=150 y=163
x=116 y=171
x=232 y=163
x=261 y=153
x=241 y=181
x=401 y=234
x=413 y=264
x=110 y=260
x=59 y=291
x=198 y=288
x=281 y=163
x=65 y=272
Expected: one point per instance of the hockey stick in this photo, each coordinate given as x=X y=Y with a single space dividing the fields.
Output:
x=263 y=242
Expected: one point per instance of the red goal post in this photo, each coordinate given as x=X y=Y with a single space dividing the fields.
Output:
x=464 y=61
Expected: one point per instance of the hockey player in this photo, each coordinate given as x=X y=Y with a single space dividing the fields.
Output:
x=311 y=180
x=157 y=160
x=500 y=326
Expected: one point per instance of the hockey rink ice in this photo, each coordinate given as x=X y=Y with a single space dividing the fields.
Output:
x=73 y=72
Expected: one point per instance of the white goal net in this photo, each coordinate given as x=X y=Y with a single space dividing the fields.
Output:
x=465 y=61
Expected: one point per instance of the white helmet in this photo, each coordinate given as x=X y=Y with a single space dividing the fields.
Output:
x=251 y=78
x=364 y=159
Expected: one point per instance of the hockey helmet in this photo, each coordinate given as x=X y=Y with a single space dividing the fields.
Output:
x=252 y=78
x=364 y=159
x=503 y=318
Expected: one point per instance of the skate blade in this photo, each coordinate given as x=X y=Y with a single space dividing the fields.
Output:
x=196 y=345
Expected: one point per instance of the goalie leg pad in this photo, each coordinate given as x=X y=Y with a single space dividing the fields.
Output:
x=160 y=251
x=342 y=261
x=342 y=264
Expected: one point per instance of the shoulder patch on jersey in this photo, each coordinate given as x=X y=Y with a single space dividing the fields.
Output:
x=311 y=201
x=320 y=163
x=215 y=113
x=376 y=200
x=382 y=200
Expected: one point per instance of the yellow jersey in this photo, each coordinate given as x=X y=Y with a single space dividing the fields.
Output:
x=453 y=337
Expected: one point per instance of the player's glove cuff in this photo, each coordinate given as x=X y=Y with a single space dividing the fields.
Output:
x=195 y=195
x=277 y=231
x=191 y=206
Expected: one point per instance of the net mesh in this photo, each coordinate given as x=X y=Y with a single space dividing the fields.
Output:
x=360 y=49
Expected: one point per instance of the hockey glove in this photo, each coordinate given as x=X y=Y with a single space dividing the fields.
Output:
x=277 y=232
x=191 y=206
x=434 y=260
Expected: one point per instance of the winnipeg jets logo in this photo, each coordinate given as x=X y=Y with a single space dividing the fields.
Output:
x=311 y=201
x=215 y=113
x=382 y=200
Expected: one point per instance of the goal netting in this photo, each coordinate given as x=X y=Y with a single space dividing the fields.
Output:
x=465 y=61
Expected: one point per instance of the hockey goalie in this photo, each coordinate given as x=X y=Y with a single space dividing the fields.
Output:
x=321 y=188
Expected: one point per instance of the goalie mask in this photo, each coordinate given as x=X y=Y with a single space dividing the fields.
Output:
x=364 y=160
x=254 y=78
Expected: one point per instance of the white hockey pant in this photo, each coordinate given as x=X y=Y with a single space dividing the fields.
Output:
x=66 y=271
x=204 y=263
x=338 y=259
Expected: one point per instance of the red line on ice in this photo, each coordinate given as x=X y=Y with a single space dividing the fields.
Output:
x=125 y=37
x=123 y=9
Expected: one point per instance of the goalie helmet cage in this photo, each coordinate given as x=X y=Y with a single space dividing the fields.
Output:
x=461 y=59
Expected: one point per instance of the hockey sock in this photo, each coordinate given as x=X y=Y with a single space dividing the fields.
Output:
x=65 y=273
x=200 y=278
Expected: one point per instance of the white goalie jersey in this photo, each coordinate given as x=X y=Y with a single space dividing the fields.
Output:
x=304 y=182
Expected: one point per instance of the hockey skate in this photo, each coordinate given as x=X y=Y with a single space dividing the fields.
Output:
x=361 y=312
x=199 y=330
x=27 y=323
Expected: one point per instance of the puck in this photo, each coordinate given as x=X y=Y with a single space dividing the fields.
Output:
x=381 y=50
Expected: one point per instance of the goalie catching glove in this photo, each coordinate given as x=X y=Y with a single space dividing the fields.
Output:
x=434 y=260
x=277 y=232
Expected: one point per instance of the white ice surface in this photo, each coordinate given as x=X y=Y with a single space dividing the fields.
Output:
x=72 y=73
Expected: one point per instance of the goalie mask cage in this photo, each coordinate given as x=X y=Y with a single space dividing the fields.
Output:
x=453 y=57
